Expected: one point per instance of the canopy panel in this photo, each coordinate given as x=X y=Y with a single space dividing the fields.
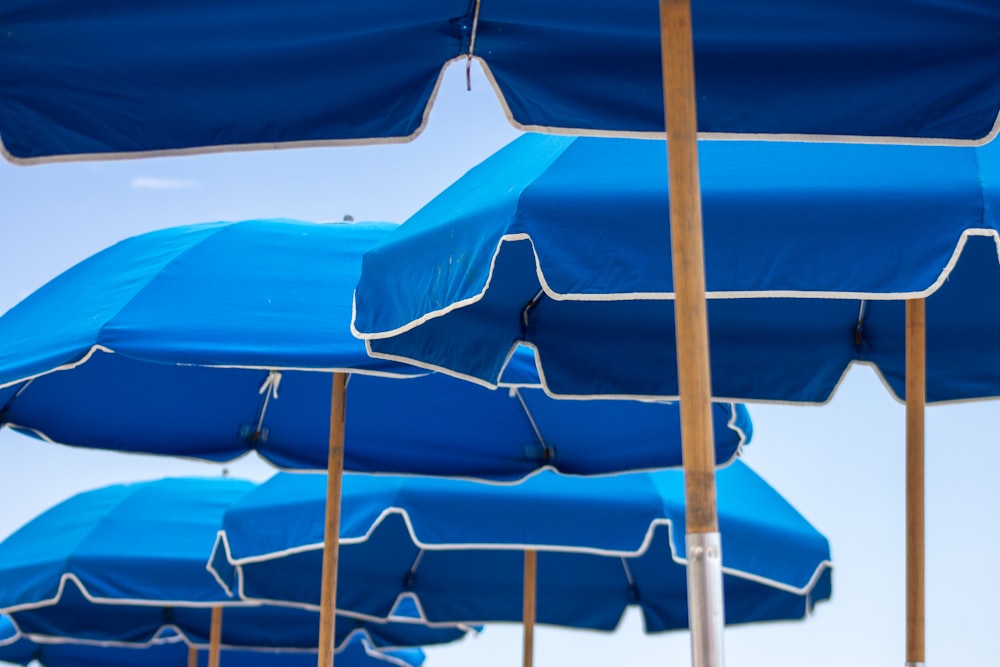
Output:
x=111 y=78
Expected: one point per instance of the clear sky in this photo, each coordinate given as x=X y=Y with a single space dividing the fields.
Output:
x=841 y=464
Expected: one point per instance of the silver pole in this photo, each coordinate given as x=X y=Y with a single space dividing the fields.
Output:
x=705 y=603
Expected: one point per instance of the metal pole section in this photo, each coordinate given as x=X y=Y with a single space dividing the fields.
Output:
x=916 y=395
x=331 y=534
x=192 y=656
x=214 y=638
x=705 y=602
x=528 y=602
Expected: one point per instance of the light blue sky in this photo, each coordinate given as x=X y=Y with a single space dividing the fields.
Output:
x=841 y=464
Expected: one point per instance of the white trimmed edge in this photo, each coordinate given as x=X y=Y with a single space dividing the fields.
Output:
x=641 y=549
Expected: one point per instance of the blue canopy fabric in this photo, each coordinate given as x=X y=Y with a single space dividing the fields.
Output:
x=454 y=546
x=810 y=251
x=125 y=564
x=209 y=341
x=14 y=648
x=107 y=77
x=172 y=652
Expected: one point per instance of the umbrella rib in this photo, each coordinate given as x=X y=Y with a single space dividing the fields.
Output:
x=546 y=452
x=472 y=46
x=859 y=327
x=268 y=389
x=633 y=590
x=408 y=582
x=526 y=311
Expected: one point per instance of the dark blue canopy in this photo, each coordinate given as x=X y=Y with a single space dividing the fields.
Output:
x=107 y=77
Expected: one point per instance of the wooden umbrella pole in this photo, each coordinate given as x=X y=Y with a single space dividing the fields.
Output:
x=192 y=656
x=691 y=321
x=331 y=531
x=529 y=605
x=916 y=396
x=214 y=638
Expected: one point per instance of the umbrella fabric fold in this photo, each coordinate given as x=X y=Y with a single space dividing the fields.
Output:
x=210 y=341
x=101 y=80
x=173 y=652
x=810 y=251
x=455 y=547
x=125 y=565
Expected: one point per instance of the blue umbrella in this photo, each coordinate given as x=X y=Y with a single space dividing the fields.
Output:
x=601 y=544
x=440 y=425
x=213 y=340
x=107 y=78
x=811 y=249
x=125 y=565
x=174 y=652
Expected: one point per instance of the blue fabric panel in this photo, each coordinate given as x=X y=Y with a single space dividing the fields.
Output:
x=767 y=66
x=93 y=536
x=820 y=242
x=457 y=546
x=114 y=77
x=124 y=562
x=13 y=648
x=258 y=627
x=270 y=294
x=441 y=426
x=111 y=77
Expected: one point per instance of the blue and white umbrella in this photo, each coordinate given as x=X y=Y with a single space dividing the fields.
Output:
x=101 y=80
x=818 y=256
x=124 y=565
x=213 y=340
x=811 y=250
x=104 y=78
x=209 y=341
x=173 y=651
x=601 y=545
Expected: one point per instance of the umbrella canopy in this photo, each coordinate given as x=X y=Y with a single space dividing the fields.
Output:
x=173 y=652
x=125 y=564
x=183 y=342
x=106 y=78
x=454 y=546
x=209 y=341
x=810 y=250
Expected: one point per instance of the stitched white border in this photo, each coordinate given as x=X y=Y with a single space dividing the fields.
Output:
x=250 y=367
x=238 y=563
x=234 y=148
x=491 y=79
x=664 y=296
x=737 y=136
x=177 y=633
